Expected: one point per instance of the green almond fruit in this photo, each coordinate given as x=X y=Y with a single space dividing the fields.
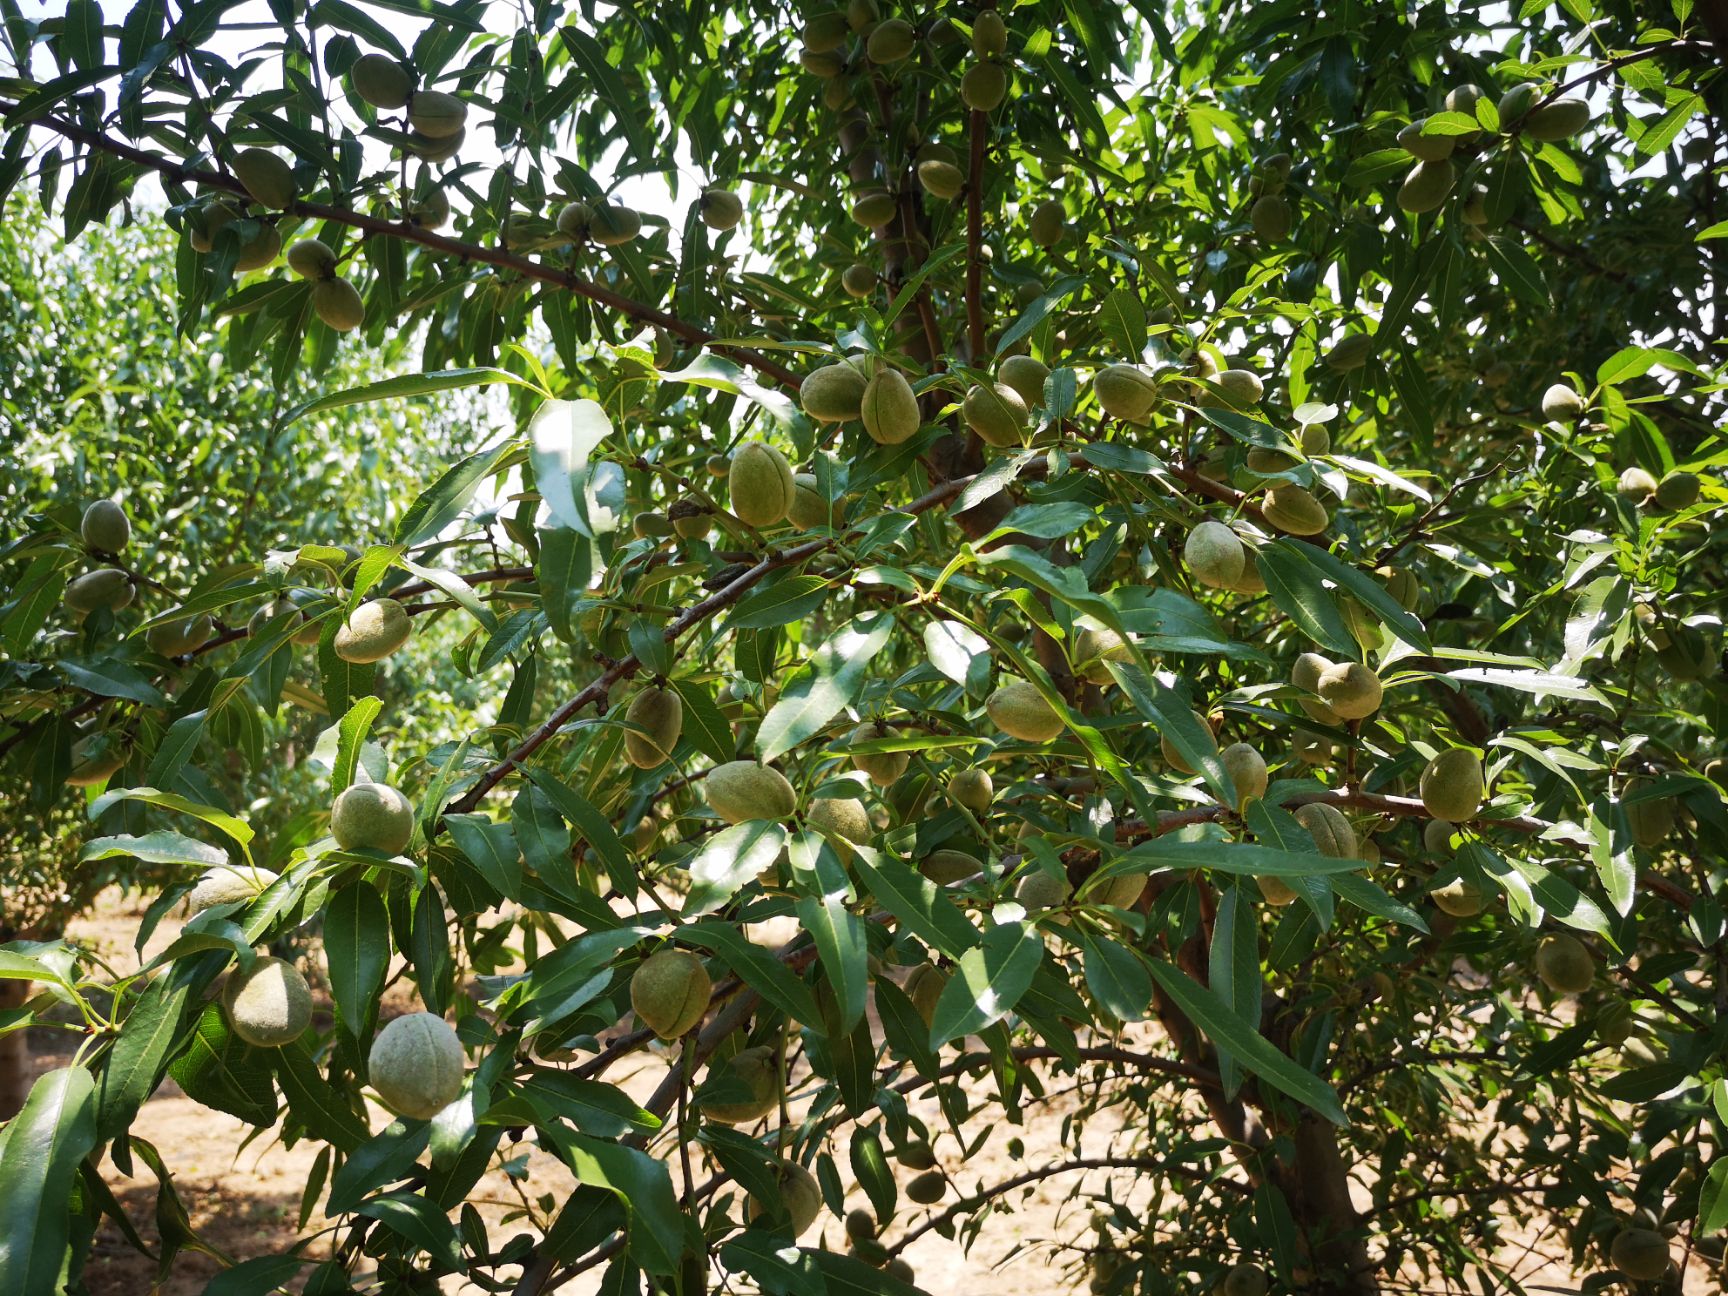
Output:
x=1026 y=376
x=1308 y=669
x=809 y=508
x=269 y=1004
x=106 y=587
x=1437 y=838
x=105 y=527
x=989 y=35
x=1641 y=1254
x=430 y=210
x=1460 y=897
x=205 y=223
x=1333 y=836
x=941 y=179
x=721 y=209
x=1247 y=771
x=1039 y=891
x=973 y=789
x=742 y=790
x=1427 y=185
x=924 y=988
x=1268 y=463
x=95 y=760
x=928 y=1188
x=436 y=148
x=984 y=86
x=613 y=224
x=891 y=41
x=825 y=31
x=1351 y=689
x=1126 y=392
x=670 y=991
x=1402 y=586
x=1561 y=404
x=437 y=115
x=760 y=484
x=1350 y=352
x=1019 y=710
x=575 y=220
x=312 y=259
x=1559 y=120
x=259 y=250
x=1686 y=654
x=1236 y=389
x=1426 y=148
x=1677 y=490
x=1650 y=820
x=689 y=519
x=1214 y=555
x=1292 y=509
x=1271 y=216
x=798 y=1196
x=228 y=884
x=1451 y=785
x=381 y=81
x=843 y=819
x=946 y=867
x=373 y=631
x=1516 y=102
x=1615 y=1023
x=372 y=816
x=889 y=408
x=858 y=280
x=1048 y=223
x=265 y=177
x=1564 y=965
x=416 y=1065
x=882 y=768
x=338 y=304
x=659 y=713
x=996 y=412
x=1464 y=98
x=874 y=210
x=1172 y=754
x=1311 y=749
x=1245 y=1280
x=1275 y=890
x=825 y=64
x=753 y=1075
x=861 y=1227
x=862 y=14
x=1636 y=485
x=1475 y=208
x=178 y=638
x=1094 y=649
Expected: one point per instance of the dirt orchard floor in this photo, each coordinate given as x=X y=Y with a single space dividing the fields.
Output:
x=246 y=1201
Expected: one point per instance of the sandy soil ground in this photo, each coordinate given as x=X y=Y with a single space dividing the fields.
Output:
x=246 y=1201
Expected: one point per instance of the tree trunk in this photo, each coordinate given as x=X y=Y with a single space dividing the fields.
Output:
x=1316 y=1184
x=14 y=1053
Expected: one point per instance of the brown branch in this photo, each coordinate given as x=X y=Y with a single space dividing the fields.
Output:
x=979 y=128
x=411 y=233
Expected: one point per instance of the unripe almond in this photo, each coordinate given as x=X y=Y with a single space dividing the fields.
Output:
x=1451 y=785
x=1677 y=490
x=1561 y=404
x=1333 y=836
x=1460 y=897
x=996 y=412
x=825 y=64
x=269 y=1004
x=1026 y=376
x=1401 y=585
x=859 y=280
x=259 y=250
x=265 y=177
x=312 y=259
x=889 y=408
x=973 y=789
x=891 y=41
x=1214 y=555
x=1559 y=120
x=106 y=587
x=1271 y=218
x=1516 y=102
x=760 y=484
x=1019 y=710
x=1093 y=649
x=338 y=304
x=1126 y=392
x=1636 y=485
x=1048 y=223
x=1437 y=838
x=1237 y=389
x=941 y=179
x=721 y=209
x=809 y=509
x=437 y=115
x=416 y=1065
x=1564 y=965
x=874 y=210
x=924 y=988
x=742 y=790
x=1247 y=770
x=1351 y=690
x=1038 y=891
x=928 y=1188
x=989 y=35
x=984 y=87
x=946 y=867
x=754 y=1071
x=1172 y=754
x=1276 y=890
x=381 y=81
x=834 y=393
x=614 y=224
x=436 y=148
x=177 y=638
x=843 y=820
x=1350 y=352
x=1427 y=185
x=1641 y=1254
x=1651 y=820
x=1427 y=148
x=670 y=992
x=373 y=631
x=660 y=712
x=883 y=768
x=825 y=31
x=105 y=527
x=1294 y=510
x=372 y=816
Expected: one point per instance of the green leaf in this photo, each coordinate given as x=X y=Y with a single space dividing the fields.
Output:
x=1517 y=269
x=357 y=950
x=112 y=679
x=823 y=686
x=707 y=730
x=350 y=738
x=421 y=384
x=1174 y=719
x=1294 y=584
x=780 y=604
x=755 y=966
x=1122 y=319
x=1233 y=968
x=44 y=1145
x=220 y=1070
x=135 y=1064
x=918 y=903
x=1242 y=858
x=420 y=1222
x=1207 y=1011
x=1117 y=979
x=441 y=503
x=238 y=829
x=1365 y=589
x=870 y=1168
x=491 y=848
x=259 y=1276
x=591 y=826
x=563 y=434
x=159 y=847
x=565 y=571
x=837 y=932
x=642 y=1184
x=314 y=1102
x=987 y=982
x=728 y=860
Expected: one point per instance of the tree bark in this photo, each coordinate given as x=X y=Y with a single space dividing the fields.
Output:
x=14 y=1053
